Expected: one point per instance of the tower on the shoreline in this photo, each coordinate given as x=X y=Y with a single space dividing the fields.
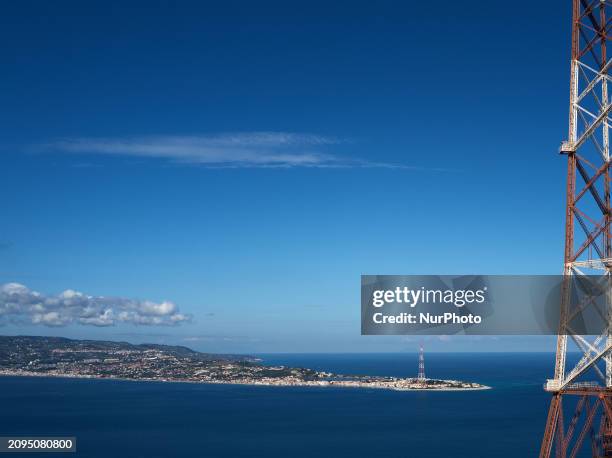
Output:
x=421 y=376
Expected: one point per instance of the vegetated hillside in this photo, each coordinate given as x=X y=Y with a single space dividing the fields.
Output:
x=14 y=348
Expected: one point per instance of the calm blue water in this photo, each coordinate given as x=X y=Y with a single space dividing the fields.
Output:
x=150 y=419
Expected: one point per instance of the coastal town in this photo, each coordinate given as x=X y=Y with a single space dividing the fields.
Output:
x=59 y=357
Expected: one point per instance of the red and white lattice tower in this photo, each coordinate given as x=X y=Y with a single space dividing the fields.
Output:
x=421 y=376
x=581 y=406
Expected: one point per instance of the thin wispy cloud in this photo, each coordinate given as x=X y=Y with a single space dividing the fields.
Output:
x=19 y=305
x=255 y=149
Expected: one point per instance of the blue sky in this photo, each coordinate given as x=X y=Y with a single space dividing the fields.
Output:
x=248 y=161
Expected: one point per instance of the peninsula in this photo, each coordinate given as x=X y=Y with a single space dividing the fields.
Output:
x=61 y=357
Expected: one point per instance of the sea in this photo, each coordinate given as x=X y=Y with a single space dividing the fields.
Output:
x=112 y=418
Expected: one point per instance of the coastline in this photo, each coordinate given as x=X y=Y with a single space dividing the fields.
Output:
x=300 y=384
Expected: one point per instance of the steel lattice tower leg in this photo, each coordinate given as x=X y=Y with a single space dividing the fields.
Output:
x=588 y=246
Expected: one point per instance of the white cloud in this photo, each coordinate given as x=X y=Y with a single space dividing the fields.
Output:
x=19 y=304
x=255 y=149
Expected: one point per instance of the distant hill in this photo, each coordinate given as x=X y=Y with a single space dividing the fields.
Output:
x=42 y=345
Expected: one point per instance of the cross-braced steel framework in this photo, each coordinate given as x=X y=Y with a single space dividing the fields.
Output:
x=581 y=406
